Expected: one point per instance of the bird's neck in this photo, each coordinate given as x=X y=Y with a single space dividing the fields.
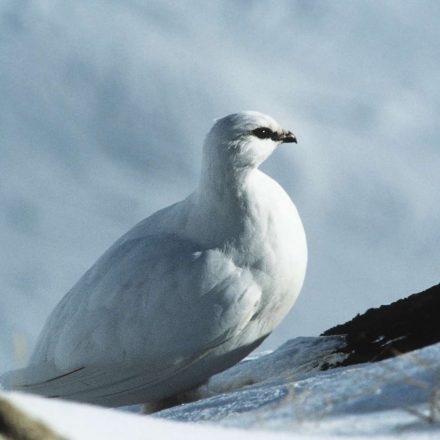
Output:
x=223 y=182
x=225 y=198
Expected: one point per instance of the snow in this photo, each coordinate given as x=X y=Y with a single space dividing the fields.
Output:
x=83 y=422
x=294 y=360
x=321 y=401
x=279 y=395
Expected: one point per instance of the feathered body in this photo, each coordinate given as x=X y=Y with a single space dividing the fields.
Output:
x=187 y=292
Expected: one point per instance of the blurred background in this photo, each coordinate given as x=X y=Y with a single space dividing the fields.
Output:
x=105 y=105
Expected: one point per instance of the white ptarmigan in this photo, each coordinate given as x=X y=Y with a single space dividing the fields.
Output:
x=186 y=293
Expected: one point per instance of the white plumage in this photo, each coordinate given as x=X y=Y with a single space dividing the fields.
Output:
x=187 y=292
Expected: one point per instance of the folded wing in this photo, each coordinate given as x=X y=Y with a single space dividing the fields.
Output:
x=139 y=323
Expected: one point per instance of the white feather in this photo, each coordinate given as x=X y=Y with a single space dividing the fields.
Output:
x=187 y=292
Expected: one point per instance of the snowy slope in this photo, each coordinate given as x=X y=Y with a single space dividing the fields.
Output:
x=85 y=422
x=104 y=109
x=279 y=395
x=343 y=400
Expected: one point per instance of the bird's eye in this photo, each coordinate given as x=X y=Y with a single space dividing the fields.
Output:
x=263 y=133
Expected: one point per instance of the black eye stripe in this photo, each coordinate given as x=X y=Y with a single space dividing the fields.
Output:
x=263 y=133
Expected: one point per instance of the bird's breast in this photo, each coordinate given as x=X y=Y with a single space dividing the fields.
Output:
x=273 y=248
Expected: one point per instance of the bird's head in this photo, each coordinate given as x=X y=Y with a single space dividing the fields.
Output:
x=245 y=139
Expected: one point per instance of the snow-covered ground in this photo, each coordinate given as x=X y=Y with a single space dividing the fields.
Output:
x=283 y=394
x=291 y=393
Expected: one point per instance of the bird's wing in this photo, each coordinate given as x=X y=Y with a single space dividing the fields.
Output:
x=151 y=305
x=109 y=385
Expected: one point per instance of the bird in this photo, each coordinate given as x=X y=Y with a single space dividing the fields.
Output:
x=186 y=293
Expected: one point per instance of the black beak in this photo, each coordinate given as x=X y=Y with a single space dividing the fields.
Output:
x=287 y=137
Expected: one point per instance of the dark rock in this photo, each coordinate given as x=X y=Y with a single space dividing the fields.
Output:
x=390 y=330
x=17 y=425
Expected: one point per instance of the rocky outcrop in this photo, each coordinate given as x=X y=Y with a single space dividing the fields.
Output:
x=403 y=326
x=16 y=425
